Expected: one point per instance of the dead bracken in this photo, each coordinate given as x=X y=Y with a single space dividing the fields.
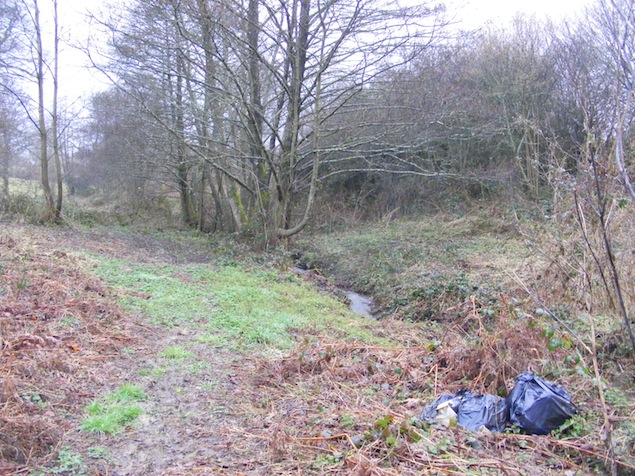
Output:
x=57 y=326
x=328 y=406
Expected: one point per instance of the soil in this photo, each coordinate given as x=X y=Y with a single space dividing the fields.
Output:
x=192 y=422
x=327 y=407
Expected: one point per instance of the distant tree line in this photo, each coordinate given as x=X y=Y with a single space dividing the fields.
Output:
x=249 y=112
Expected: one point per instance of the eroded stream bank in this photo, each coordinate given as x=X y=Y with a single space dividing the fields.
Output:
x=358 y=303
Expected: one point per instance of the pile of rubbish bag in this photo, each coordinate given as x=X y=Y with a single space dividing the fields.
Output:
x=535 y=405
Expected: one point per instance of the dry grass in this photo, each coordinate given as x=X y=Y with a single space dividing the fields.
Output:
x=490 y=352
x=344 y=408
x=327 y=407
x=577 y=271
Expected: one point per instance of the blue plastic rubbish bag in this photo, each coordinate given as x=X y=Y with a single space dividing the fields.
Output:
x=538 y=406
x=478 y=411
x=472 y=411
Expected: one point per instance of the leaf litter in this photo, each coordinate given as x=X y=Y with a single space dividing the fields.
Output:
x=328 y=407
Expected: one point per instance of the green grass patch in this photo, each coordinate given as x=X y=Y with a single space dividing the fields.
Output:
x=113 y=412
x=196 y=368
x=155 y=372
x=176 y=353
x=156 y=292
x=231 y=305
x=99 y=452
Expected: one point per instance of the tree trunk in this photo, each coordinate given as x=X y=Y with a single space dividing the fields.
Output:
x=257 y=152
x=219 y=219
x=201 y=201
x=54 y=124
x=289 y=147
x=5 y=151
x=49 y=211
x=182 y=167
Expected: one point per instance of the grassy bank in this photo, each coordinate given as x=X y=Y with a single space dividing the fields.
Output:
x=419 y=268
x=245 y=361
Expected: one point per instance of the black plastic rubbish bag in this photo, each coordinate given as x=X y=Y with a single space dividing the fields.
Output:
x=470 y=411
x=538 y=406
x=430 y=413
x=477 y=411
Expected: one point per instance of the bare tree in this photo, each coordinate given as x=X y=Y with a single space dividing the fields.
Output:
x=27 y=61
x=40 y=67
x=615 y=20
x=55 y=130
x=315 y=58
x=10 y=137
x=249 y=88
x=593 y=62
x=10 y=16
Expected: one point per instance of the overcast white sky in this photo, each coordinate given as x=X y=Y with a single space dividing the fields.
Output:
x=475 y=13
x=470 y=13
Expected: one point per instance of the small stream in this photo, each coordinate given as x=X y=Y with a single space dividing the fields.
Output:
x=358 y=303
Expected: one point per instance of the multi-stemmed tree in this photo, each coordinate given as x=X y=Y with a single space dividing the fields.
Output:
x=244 y=91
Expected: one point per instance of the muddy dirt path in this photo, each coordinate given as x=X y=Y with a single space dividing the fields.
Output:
x=198 y=417
x=191 y=419
x=330 y=406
